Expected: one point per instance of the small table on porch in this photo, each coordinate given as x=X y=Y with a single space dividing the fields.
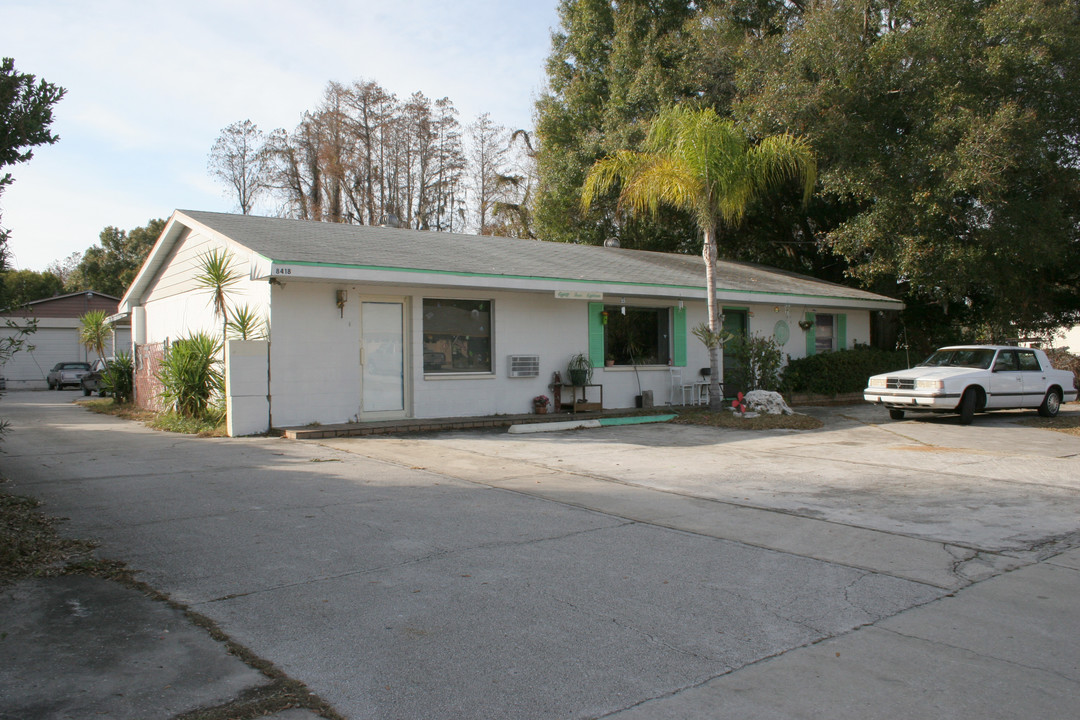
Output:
x=582 y=403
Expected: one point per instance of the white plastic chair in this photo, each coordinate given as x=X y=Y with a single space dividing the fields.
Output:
x=686 y=390
x=701 y=386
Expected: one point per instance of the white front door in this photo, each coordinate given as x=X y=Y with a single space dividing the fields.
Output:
x=382 y=358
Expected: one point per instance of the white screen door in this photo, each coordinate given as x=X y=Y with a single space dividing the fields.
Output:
x=383 y=356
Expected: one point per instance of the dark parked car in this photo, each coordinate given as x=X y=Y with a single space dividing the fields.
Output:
x=66 y=373
x=91 y=381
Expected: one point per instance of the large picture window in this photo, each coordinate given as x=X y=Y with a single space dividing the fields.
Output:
x=637 y=335
x=457 y=336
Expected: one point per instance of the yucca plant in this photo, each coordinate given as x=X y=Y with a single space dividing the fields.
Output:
x=118 y=378
x=95 y=331
x=191 y=376
x=246 y=324
x=217 y=275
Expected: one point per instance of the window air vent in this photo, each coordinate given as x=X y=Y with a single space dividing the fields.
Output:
x=524 y=365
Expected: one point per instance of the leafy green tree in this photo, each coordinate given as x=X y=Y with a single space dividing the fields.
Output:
x=946 y=133
x=111 y=266
x=65 y=271
x=25 y=116
x=612 y=67
x=698 y=162
x=18 y=287
x=26 y=106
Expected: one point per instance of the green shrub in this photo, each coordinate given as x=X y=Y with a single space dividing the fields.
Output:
x=754 y=364
x=190 y=374
x=844 y=371
x=118 y=378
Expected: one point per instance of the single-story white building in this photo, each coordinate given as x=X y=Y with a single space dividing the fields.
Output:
x=368 y=323
x=57 y=336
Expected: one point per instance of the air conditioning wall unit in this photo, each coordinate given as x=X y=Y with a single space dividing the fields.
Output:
x=524 y=366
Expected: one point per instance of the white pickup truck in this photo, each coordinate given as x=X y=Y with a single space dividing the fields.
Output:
x=967 y=379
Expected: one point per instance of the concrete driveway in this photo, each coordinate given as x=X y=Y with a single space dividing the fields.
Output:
x=637 y=571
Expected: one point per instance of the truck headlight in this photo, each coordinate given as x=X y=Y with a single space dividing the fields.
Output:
x=929 y=384
x=878 y=382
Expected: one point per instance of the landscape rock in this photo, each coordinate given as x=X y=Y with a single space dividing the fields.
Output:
x=766 y=402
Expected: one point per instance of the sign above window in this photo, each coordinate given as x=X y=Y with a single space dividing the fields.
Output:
x=578 y=295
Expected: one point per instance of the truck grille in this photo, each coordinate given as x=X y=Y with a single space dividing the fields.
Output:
x=899 y=384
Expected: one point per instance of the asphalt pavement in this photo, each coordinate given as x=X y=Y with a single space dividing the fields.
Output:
x=869 y=569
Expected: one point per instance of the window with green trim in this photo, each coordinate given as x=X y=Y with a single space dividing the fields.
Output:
x=824 y=333
x=637 y=335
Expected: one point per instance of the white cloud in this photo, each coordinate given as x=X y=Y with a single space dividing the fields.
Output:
x=151 y=84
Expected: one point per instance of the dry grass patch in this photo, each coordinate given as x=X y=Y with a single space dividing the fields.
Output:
x=30 y=545
x=108 y=406
x=732 y=421
x=168 y=422
x=1069 y=424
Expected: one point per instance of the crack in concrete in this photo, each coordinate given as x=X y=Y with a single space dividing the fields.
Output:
x=690 y=496
x=976 y=653
x=421 y=559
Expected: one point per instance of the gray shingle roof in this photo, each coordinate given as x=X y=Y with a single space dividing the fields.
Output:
x=287 y=241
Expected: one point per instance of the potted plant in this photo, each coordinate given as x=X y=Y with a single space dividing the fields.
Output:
x=580 y=370
x=540 y=404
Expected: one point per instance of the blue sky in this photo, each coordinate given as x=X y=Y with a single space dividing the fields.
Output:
x=151 y=84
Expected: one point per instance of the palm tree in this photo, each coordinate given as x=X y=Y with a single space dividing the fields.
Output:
x=694 y=160
x=217 y=275
x=94 y=331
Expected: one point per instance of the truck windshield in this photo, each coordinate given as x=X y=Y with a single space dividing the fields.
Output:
x=960 y=357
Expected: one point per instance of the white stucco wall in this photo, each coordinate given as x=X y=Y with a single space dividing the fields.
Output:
x=314 y=355
x=176 y=307
x=315 y=364
x=246 y=400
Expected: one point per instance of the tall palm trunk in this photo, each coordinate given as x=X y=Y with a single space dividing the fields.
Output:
x=709 y=253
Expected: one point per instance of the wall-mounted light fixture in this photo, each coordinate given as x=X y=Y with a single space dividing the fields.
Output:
x=342 y=296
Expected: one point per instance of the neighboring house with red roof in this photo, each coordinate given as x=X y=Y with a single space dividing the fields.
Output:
x=57 y=336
